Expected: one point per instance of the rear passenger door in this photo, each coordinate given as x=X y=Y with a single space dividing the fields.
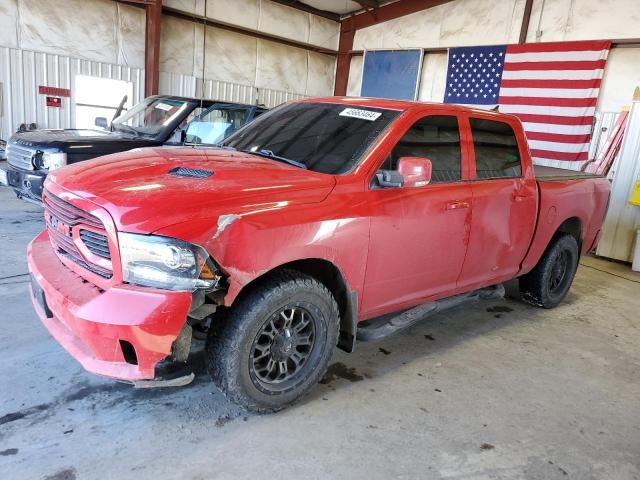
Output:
x=504 y=202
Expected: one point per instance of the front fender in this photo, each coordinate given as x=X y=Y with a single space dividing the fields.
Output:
x=247 y=245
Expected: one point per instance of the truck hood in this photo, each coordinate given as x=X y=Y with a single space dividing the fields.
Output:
x=74 y=141
x=142 y=196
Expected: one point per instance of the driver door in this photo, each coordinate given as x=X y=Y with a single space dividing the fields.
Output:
x=419 y=234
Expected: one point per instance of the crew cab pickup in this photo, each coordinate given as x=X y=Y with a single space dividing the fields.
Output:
x=305 y=230
x=155 y=121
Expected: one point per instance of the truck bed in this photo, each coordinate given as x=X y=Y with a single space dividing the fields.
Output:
x=552 y=173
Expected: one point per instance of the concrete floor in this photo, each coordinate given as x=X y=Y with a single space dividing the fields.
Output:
x=490 y=390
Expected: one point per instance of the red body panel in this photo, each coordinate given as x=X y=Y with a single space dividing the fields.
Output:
x=395 y=248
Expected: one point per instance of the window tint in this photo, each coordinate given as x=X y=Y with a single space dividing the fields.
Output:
x=496 y=149
x=436 y=137
x=325 y=137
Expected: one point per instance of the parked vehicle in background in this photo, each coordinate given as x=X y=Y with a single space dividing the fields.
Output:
x=305 y=230
x=158 y=120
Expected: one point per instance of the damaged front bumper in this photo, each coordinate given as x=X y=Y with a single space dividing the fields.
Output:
x=122 y=332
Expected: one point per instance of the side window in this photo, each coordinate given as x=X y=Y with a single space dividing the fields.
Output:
x=436 y=137
x=496 y=148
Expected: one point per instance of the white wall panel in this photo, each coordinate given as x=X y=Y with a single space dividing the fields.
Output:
x=585 y=19
x=281 y=67
x=22 y=71
x=621 y=77
x=459 y=23
x=355 y=77
x=321 y=74
x=8 y=21
x=434 y=75
x=78 y=28
x=231 y=57
x=130 y=36
x=283 y=21
x=244 y=13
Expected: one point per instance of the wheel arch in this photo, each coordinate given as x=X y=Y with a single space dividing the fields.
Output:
x=330 y=276
x=572 y=226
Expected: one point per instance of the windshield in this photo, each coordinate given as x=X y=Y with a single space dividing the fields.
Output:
x=323 y=137
x=150 y=117
x=217 y=123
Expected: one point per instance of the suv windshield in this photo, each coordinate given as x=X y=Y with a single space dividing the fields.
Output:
x=323 y=137
x=217 y=123
x=150 y=117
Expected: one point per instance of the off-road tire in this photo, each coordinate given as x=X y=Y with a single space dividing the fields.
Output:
x=537 y=286
x=230 y=345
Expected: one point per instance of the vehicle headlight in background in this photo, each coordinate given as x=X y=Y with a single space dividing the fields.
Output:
x=167 y=263
x=50 y=161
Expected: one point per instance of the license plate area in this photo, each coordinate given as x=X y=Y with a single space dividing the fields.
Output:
x=41 y=300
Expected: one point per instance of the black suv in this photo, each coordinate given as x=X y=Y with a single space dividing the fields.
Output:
x=158 y=120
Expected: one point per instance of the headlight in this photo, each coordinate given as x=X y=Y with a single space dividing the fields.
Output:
x=50 y=161
x=162 y=262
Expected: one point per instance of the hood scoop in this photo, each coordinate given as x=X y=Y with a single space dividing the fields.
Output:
x=190 y=172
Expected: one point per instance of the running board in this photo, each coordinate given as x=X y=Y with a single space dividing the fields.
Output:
x=384 y=326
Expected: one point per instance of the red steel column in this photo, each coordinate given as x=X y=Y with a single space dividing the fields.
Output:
x=345 y=45
x=152 y=48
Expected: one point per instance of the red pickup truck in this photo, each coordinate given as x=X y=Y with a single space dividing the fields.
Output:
x=296 y=235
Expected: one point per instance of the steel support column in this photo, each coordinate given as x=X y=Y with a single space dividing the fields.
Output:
x=152 y=47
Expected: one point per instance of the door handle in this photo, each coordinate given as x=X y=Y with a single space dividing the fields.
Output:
x=457 y=205
x=519 y=197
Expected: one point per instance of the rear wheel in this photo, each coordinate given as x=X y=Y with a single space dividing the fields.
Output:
x=549 y=282
x=275 y=345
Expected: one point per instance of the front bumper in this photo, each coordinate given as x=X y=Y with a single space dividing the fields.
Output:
x=26 y=184
x=90 y=322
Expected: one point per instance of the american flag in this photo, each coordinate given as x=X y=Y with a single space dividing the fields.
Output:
x=552 y=87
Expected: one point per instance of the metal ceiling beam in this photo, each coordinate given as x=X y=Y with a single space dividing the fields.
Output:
x=353 y=23
x=200 y=19
x=309 y=9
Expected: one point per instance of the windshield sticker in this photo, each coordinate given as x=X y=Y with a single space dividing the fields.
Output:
x=361 y=114
x=165 y=107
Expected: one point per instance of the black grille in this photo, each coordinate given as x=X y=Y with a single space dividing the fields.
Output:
x=96 y=243
x=89 y=266
x=190 y=172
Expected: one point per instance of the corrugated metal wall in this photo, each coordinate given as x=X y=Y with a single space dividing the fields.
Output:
x=623 y=219
x=22 y=71
x=190 y=86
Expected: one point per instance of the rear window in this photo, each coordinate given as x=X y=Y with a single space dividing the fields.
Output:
x=496 y=149
x=326 y=138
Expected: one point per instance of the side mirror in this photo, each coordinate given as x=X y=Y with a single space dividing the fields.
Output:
x=101 y=122
x=416 y=171
x=389 y=179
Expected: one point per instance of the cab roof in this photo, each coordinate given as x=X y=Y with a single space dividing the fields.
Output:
x=392 y=104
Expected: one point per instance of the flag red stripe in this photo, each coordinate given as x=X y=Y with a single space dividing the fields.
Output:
x=560 y=65
x=560 y=47
x=551 y=155
x=554 y=119
x=549 y=101
x=558 y=137
x=507 y=83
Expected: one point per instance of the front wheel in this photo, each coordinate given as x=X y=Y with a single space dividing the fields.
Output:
x=275 y=345
x=549 y=282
